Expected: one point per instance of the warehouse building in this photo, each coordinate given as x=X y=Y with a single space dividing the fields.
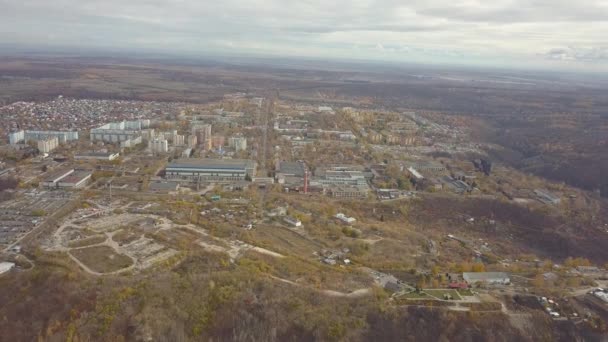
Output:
x=75 y=180
x=52 y=180
x=211 y=169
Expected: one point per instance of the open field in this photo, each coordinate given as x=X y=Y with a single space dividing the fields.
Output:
x=93 y=240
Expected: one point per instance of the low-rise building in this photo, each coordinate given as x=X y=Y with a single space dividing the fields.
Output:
x=491 y=278
x=347 y=191
x=6 y=266
x=345 y=219
x=292 y=221
x=106 y=156
x=415 y=173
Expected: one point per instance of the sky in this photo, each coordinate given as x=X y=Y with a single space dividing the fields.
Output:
x=567 y=34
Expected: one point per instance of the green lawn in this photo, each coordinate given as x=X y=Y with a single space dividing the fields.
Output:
x=415 y=295
x=465 y=292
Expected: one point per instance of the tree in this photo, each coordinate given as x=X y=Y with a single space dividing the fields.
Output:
x=478 y=267
x=38 y=212
x=539 y=281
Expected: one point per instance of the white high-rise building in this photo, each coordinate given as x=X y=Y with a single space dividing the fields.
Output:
x=178 y=140
x=158 y=146
x=238 y=143
x=192 y=141
x=48 y=144
x=203 y=135
x=16 y=137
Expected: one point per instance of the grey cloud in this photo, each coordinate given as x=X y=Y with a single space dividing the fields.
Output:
x=594 y=54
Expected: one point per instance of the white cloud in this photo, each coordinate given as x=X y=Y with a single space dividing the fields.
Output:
x=498 y=31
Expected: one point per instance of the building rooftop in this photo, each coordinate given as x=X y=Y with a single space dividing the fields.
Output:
x=292 y=168
x=76 y=177
x=95 y=154
x=164 y=186
x=56 y=175
x=212 y=163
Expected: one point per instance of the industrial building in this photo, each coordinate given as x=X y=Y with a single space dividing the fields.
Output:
x=347 y=191
x=340 y=177
x=296 y=169
x=106 y=156
x=211 y=169
x=67 y=178
x=428 y=167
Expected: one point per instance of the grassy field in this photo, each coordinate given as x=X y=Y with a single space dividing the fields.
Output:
x=102 y=259
x=281 y=240
x=126 y=236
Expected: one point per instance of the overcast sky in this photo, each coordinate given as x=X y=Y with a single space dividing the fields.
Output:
x=555 y=33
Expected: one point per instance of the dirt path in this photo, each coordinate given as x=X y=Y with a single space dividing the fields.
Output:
x=355 y=294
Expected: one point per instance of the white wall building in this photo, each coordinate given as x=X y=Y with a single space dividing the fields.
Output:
x=115 y=132
x=47 y=145
x=15 y=138
x=238 y=143
x=178 y=140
